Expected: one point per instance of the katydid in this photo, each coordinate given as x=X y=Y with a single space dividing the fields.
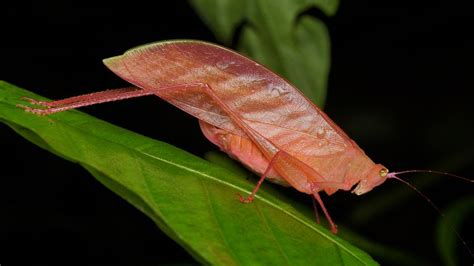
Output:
x=249 y=112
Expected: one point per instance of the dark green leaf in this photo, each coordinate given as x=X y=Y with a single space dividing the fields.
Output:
x=190 y=199
x=222 y=16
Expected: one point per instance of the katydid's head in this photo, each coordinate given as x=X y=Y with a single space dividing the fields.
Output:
x=376 y=176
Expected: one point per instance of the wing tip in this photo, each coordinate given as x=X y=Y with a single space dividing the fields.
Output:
x=111 y=61
x=116 y=64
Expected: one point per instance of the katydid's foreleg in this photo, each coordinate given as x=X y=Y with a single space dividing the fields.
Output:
x=317 y=198
x=315 y=209
x=326 y=213
x=251 y=197
x=85 y=100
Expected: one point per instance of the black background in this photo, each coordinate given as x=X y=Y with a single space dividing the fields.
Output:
x=400 y=86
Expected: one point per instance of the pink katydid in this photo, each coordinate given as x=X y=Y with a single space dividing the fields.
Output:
x=248 y=111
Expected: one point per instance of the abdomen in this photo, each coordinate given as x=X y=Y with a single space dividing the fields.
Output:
x=241 y=148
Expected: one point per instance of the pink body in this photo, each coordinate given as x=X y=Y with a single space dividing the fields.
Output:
x=246 y=102
x=251 y=113
x=242 y=149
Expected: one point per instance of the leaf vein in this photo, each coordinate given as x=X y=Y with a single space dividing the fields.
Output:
x=265 y=220
x=216 y=220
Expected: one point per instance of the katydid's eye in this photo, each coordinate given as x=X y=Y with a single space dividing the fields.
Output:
x=383 y=172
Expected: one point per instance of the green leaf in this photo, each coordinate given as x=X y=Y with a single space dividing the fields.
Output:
x=276 y=34
x=190 y=199
x=223 y=16
x=447 y=240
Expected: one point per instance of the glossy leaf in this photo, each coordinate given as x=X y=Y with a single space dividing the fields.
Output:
x=190 y=199
x=278 y=35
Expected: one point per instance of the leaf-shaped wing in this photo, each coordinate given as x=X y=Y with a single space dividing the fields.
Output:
x=246 y=98
x=263 y=100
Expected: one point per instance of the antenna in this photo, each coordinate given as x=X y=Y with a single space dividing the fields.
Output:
x=394 y=176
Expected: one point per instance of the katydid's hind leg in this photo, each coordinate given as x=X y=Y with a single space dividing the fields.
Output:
x=251 y=197
x=100 y=97
x=90 y=97
x=84 y=100
x=326 y=213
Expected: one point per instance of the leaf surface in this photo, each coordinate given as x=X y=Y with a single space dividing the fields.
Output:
x=190 y=199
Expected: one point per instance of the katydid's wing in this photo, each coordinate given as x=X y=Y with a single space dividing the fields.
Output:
x=264 y=101
x=232 y=92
